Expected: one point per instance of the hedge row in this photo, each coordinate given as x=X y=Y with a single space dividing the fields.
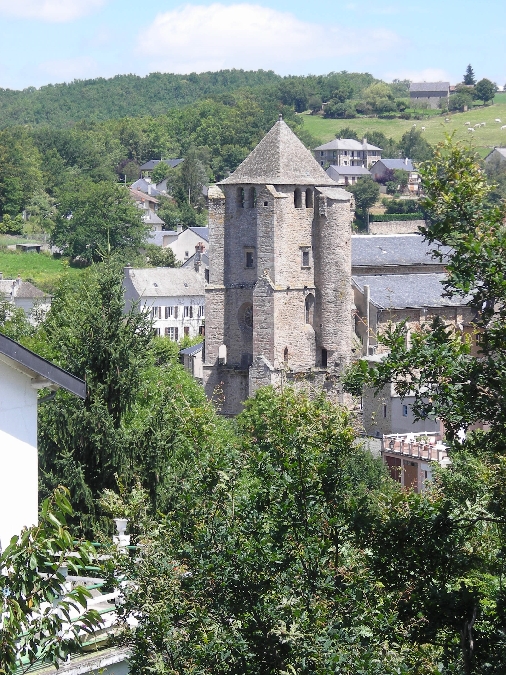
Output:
x=386 y=217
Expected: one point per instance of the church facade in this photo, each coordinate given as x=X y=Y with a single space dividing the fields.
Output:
x=278 y=302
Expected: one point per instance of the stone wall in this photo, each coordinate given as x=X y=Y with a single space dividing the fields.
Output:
x=396 y=227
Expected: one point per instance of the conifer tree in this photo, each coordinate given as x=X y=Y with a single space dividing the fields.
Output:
x=469 y=78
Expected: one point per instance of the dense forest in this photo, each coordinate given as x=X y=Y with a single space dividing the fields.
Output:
x=61 y=105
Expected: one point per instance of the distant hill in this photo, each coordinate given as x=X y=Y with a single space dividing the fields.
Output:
x=60 y=105
x=98 y=100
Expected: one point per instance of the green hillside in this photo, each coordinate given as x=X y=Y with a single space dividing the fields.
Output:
x=435 y=127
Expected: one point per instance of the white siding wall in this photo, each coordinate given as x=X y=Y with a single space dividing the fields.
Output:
x=192 y=319
x=18 y=453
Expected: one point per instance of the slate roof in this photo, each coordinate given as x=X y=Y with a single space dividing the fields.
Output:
x=33 y=365
x=151 y=218
x=501 y=151
x=402 y=291
x=403 y=165
x=429 y=86
x=10 y=288
x=143 y=196
x=345 y=144
x=279 y=159
x=191 y=351
x=142 y=185
x=394 y=249
x=150 y=164
x=202 y=232
x=166 y=282
x=335 y=172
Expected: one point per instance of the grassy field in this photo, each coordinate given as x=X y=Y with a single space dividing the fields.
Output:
x=482 y=138
x=42 y=269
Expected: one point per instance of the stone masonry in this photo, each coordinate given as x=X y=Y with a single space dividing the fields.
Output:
x=278 y=302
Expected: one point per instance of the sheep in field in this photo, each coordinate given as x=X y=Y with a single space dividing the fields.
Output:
x=503 y=127
x=470 y=129
x=497 y=120
x=467 y=123
x=423 y=128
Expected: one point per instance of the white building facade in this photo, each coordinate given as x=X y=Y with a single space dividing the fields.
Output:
x=174 y=297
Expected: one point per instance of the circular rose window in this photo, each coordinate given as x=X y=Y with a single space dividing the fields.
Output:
x=245 y=316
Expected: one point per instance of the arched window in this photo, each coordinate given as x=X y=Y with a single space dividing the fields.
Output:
x=297 y=198
x=253 y=198
x=309 y=308
x=240 y=198
x=309 y=199
x=285 y=355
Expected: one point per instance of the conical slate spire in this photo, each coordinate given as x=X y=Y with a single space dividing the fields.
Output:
x=279 y=159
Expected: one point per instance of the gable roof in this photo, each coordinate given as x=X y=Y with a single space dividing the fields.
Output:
x=151 y=163
x=24 y=289
x=346 y=144
x=202 y=232
x=194 y=349
x=279 y=159
x=336 y=172
x=429 y=86
x=143 y=196
x=501 y=151
x=39 y=369
x=401 y=164
x=156 y=282
x=370 y=250
x=403 y=291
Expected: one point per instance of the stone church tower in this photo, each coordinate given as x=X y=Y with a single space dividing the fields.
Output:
x=278 y=302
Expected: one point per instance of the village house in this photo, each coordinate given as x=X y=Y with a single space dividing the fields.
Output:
x=24 y=295
x=173 y=296
x=184 y=244
x=496 y=156
x=149 y=207
x=383 y=167
x=429 y=94
x=147 y=168
x=347 y=152
x=22 y=374
x=347 y=175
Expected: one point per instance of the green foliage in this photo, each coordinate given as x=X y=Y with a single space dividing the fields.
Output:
x=387 y=217
x=95 y=219
x=82 y=443
x=346 y=132
x=460 y=100
x=10 y=225
x=256 y=573
x=156 y=256
x=38 y=611
x=366 y=192
x=13 y=321
x=485 y=90
x=20 y=174
x=401 y=205
x=414 y=146
x=160 y=172
x=469 y=78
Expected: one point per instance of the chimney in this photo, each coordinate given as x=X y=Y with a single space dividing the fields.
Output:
x=197 y=261
x=179 y=229
x=18 y=280
x=406 y=161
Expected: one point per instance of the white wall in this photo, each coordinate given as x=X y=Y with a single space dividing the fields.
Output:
x=18 y=453
x=185 y=244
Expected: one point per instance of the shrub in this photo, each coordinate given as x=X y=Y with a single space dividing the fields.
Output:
x=387 y=217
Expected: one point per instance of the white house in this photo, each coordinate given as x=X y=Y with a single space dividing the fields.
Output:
x=347 y=152
x=23 y=294
x=22 y=374
x=186 y=241
x=174 y=296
